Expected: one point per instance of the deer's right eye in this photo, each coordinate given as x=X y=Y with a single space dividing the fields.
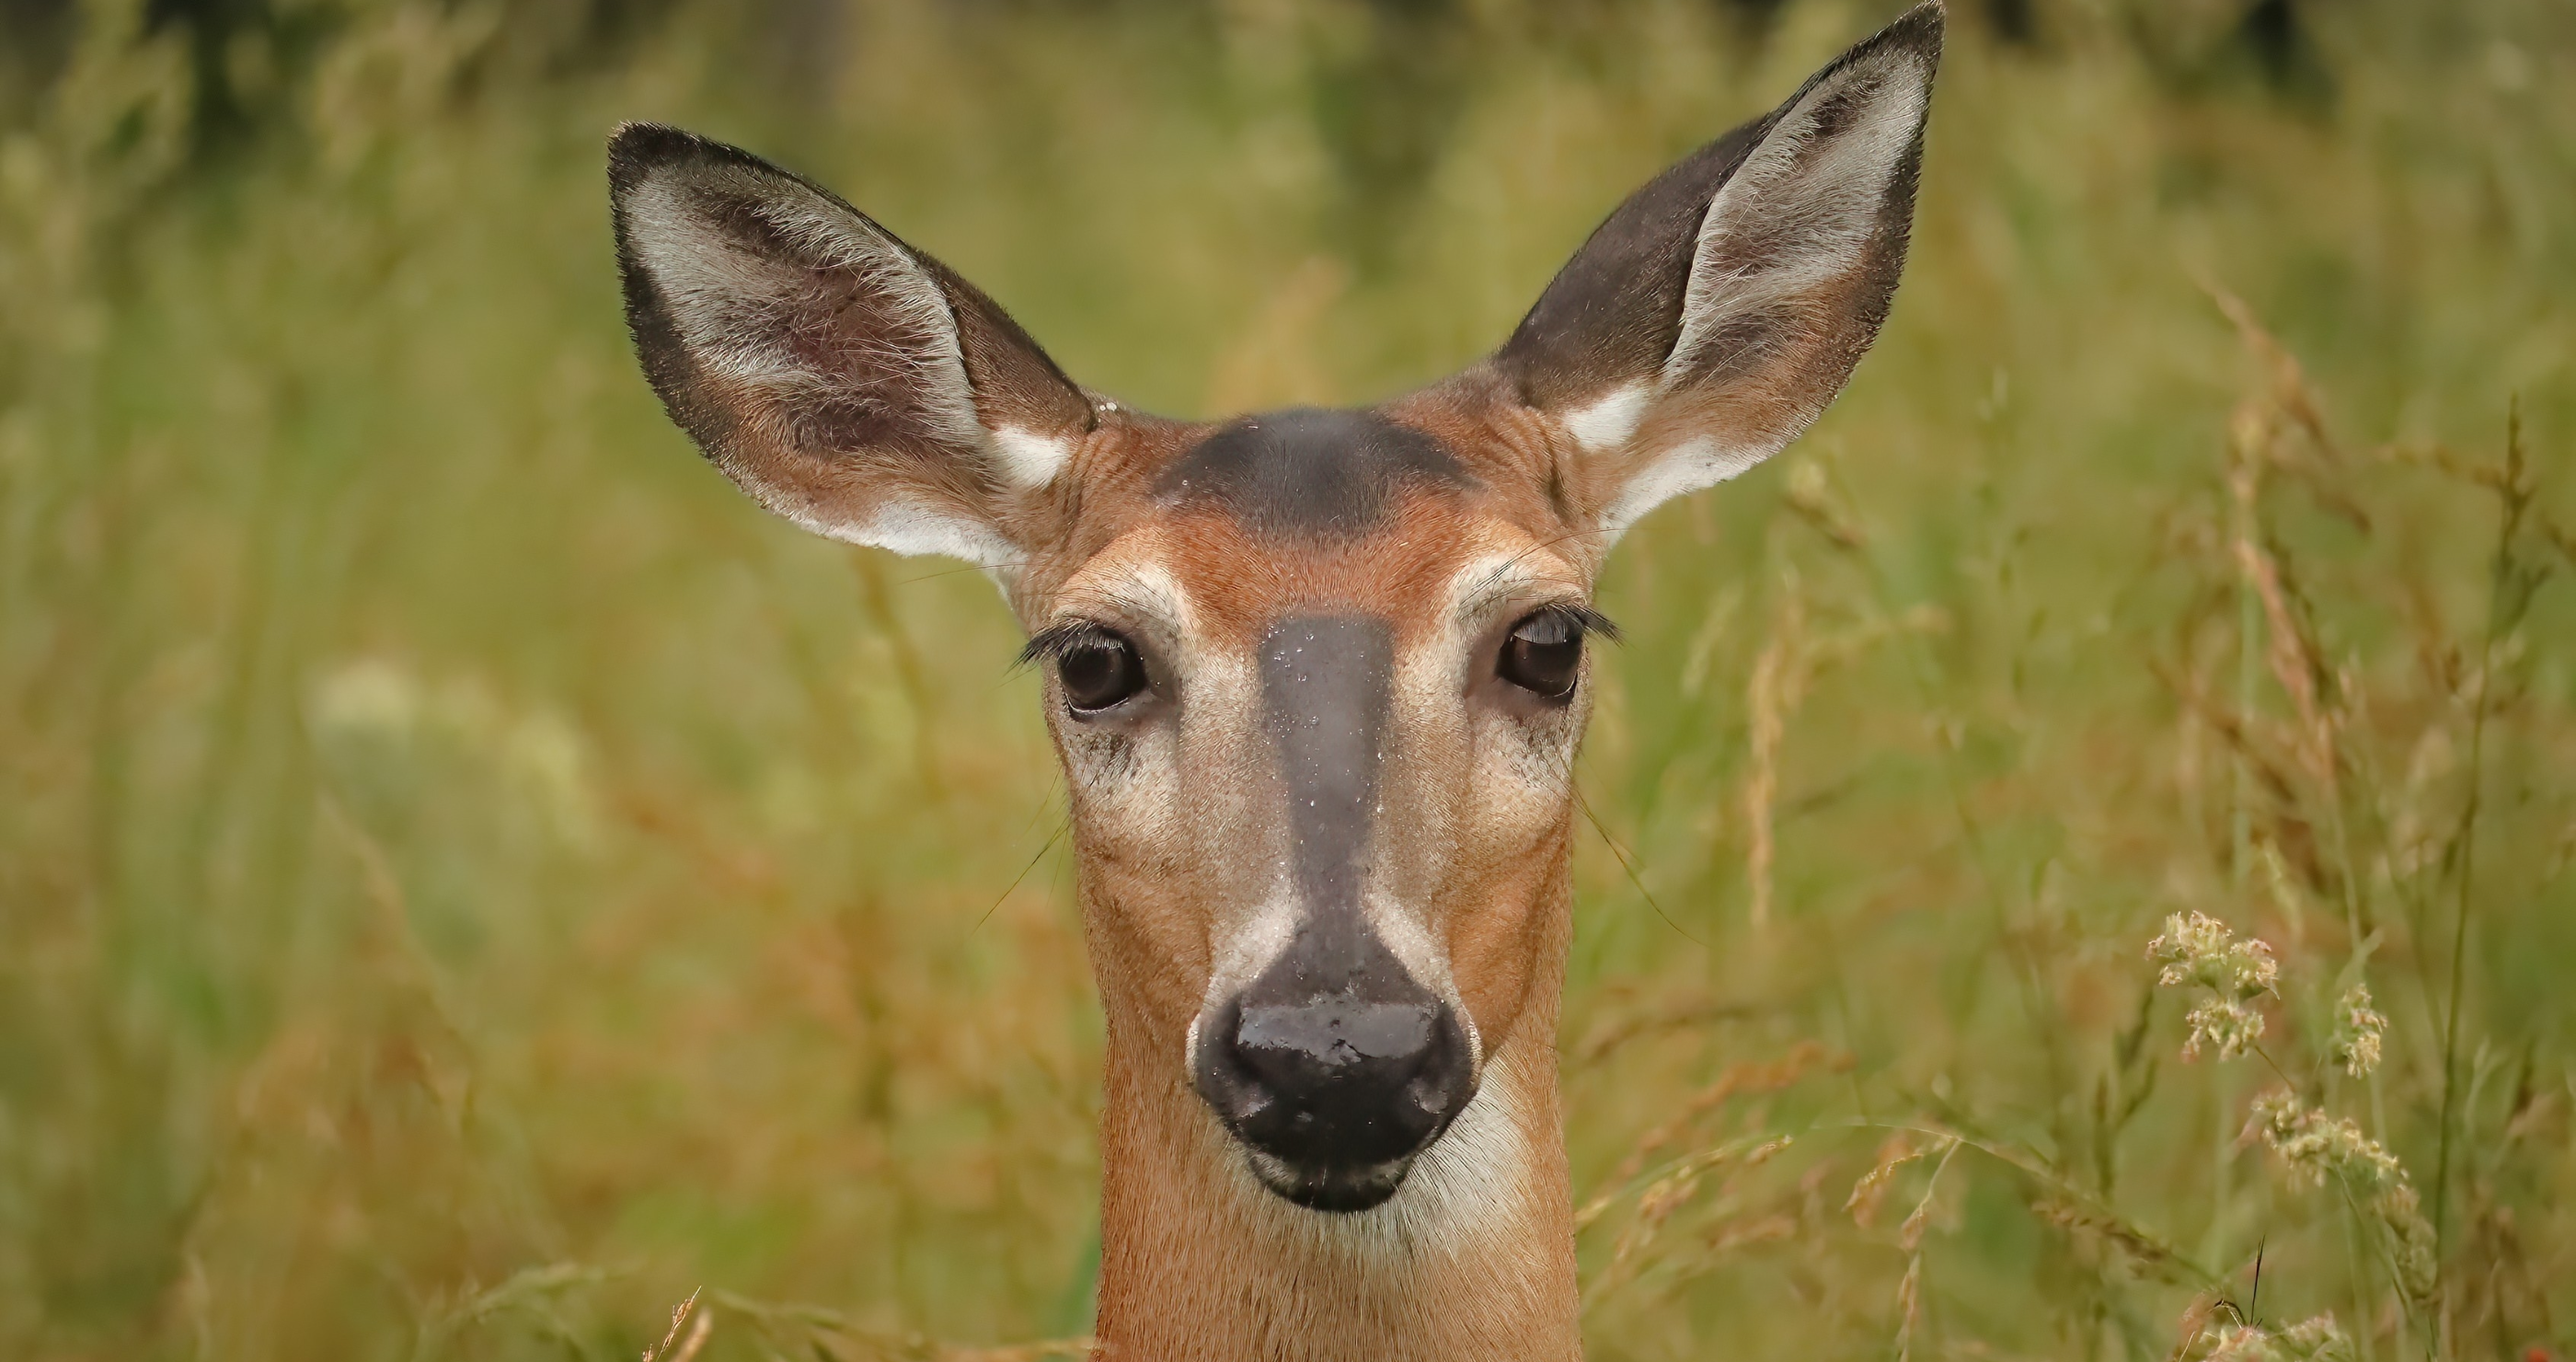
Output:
x=1099 y=670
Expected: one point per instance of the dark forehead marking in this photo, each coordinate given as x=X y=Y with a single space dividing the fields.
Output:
x=1307 y=471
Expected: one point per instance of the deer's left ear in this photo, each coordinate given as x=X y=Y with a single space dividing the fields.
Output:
x=1717 y=312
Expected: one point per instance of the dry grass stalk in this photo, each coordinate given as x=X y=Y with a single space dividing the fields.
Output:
x=688 y=1349
x=2292 y=660
x=1789 y=663
x=1770 y=696
x=1730 y=1235
x=832 y=1335
x=1687 y=1011
x=1810 y=496
x=2139 y=1245
x=1743 y=1076
x=1870 y=1190
x=1909 y=1306
x=1909 y=1237
x=1667 y=1193
x=2287 y=403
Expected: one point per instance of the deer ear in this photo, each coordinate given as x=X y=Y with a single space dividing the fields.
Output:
x=847 y=381
x=1717 y=312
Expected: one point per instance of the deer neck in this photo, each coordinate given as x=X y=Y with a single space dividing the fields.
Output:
x=1472 y=1258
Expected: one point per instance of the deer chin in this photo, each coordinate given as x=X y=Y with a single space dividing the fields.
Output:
x=1327 y=1188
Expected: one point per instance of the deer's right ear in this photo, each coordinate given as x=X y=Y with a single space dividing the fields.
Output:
x=1717 y=312
x=847 y=381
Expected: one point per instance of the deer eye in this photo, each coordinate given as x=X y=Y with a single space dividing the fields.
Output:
x=1544 y=654
x=1099 y=670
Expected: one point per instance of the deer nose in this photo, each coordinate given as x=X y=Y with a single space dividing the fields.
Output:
x=1335 y=1090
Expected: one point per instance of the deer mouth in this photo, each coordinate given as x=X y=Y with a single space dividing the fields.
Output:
x=1338 y=1190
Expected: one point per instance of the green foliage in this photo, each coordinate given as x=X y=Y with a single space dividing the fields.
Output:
x=468 y=879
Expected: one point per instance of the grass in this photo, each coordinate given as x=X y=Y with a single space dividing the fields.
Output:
x=469 y=881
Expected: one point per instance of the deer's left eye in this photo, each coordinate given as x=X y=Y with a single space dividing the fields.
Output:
x=1544 y=654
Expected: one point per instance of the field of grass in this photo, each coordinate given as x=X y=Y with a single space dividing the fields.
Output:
x=469 y=880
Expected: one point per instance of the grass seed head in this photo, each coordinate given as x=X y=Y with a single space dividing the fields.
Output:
x=2317 y=1339
x=2199 y=949
x=2222 y=1024
x=2357 y=1032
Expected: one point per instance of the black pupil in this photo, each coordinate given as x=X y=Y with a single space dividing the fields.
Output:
x=1100 y=672
x=1544 y=654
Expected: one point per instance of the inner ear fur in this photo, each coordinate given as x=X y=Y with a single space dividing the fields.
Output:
x=1714 y=315
x=847 y=381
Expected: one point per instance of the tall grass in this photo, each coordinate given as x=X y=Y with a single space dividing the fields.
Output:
x=468 y=880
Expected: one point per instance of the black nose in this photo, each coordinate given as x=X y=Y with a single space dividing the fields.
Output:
x=1334 y=1089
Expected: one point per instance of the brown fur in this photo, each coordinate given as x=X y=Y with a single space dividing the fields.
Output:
x=1199 y=1261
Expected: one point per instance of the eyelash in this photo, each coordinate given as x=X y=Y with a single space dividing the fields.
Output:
x=1053 y=642
x=1589 y=622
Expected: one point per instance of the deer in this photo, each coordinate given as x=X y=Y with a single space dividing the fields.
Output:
x=1315 y=678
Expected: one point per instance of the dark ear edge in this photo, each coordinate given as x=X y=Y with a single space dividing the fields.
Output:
x=635 y=150
x=844 y=379
x=1614 y=309
x=1613 y=313
x=1720 y=309
x=1012 y=374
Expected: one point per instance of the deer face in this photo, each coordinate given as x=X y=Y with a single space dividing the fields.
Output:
x=1317 y=710
x=1316 y=677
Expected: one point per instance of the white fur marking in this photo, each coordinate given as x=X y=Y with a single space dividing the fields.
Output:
x=1474 y=1180
x=907 y=527
x=1686 y=467
x=1247 y=948
x=1028 y=458
x=1605 y=424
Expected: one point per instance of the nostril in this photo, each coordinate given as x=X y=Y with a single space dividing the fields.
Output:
x=1430 y=1090
x=1222 y=1078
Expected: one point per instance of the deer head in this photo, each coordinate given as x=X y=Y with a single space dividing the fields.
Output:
x=1316 y=677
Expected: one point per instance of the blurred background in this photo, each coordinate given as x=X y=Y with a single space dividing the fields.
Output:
x=469 y=880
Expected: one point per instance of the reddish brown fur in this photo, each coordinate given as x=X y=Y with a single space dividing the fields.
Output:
x=1197 y=1262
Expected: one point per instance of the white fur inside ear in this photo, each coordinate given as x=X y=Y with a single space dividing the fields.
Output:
x=1604 y=425
x=1028 y=458
x=734 y=308
x=908 y=527
x=1800 y=211
x=1685 y=468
